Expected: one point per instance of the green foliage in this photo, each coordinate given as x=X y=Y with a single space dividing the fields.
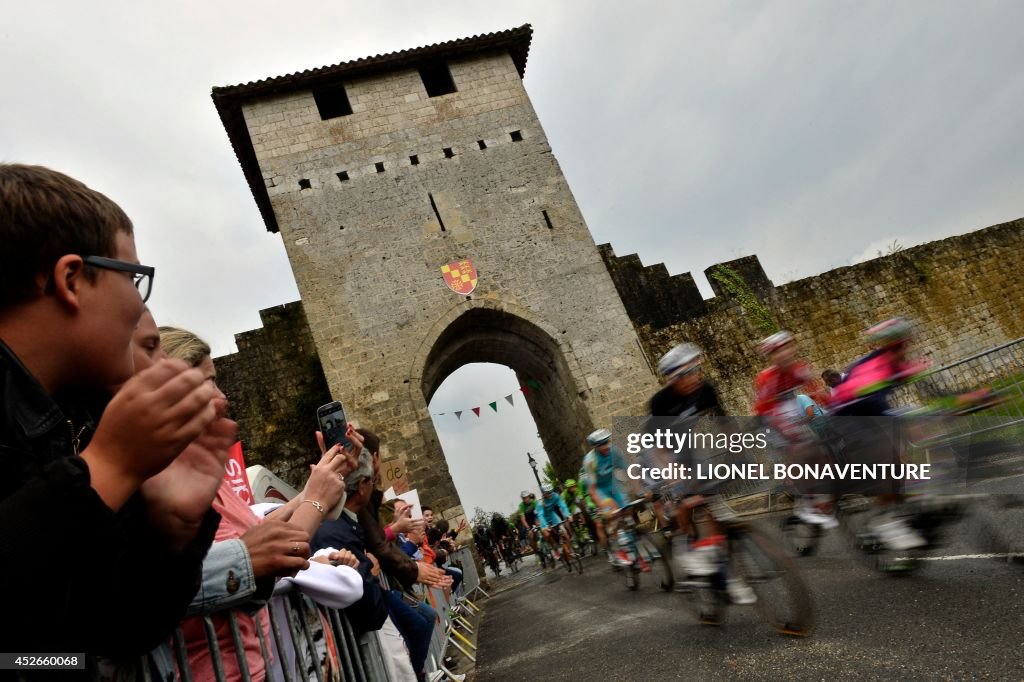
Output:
x=550 y=476
x=738 y=289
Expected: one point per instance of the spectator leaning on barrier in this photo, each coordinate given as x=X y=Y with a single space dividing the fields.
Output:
x=73 y=461
x=268 y=550
x=369 y=612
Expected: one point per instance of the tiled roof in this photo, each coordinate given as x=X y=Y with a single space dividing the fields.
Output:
x=229 y=99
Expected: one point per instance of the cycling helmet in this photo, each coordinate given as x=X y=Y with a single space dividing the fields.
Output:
x=569 y=483
x=889 y=332
x=525 y=493
x=774 y=342
x=680 y=358
x=599 y=437
x=546 y=488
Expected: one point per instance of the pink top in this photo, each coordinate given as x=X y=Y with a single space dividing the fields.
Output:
x=236 y=519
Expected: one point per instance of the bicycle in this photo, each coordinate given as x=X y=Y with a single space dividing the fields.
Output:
x=783 y=599
x=931 y=516
x=511 y=555
x=570 y=558
x=583 y=541
x=543 y=549
x=645 y=551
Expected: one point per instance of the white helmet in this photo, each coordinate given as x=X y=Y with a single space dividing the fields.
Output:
x=599 y=437
x=546 y=488
x=682 y=357
x=774 y=342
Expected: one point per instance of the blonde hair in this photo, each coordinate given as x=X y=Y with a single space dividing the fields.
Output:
x=181 y=344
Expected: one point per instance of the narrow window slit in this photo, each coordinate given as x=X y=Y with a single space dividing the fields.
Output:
x=547 y=220
x=437 y=213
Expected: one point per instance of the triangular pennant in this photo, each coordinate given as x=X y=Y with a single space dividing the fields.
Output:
x=494 y=405
x=509 y=399
x=476 y=411
x=524 y=389
x=458 y=415
x=533 y=383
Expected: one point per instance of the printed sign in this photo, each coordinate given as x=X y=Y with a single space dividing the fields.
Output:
x=234 y=472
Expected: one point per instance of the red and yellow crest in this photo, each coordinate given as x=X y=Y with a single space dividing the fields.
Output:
x=460 y=276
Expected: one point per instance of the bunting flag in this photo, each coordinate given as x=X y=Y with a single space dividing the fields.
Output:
x=527 y=386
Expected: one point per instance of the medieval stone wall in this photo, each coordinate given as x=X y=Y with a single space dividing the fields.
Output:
x=275 y=383
x=965 y=294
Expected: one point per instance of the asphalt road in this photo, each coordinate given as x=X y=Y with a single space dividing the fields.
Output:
x=958 y=618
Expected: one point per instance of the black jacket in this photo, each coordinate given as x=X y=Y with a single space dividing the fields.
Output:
x=77 y=577
x=369 y=613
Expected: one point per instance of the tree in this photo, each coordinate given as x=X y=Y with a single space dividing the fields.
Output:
x=480 y=517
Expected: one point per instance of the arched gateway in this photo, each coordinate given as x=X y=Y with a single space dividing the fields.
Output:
x=384 y=176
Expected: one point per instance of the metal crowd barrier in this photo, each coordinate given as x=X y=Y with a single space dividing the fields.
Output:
x=311 y=642
x=1000 y=368
x=463 y=559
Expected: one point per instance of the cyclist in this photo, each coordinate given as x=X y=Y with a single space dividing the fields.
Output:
x=687 y=394
x=551 y=514
x=605 y=467
x=864 y=393
x=576 y=504
x=783 y=397
x=485 y=547
x=528 y=517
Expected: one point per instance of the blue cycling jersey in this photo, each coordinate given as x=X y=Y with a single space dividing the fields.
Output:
x=551 y=510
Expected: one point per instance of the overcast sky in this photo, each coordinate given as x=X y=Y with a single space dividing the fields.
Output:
x=810 y=133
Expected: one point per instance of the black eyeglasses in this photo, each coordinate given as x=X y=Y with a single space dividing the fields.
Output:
x=142 y=275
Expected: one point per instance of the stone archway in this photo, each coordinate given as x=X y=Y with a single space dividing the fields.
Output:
x=492 y=334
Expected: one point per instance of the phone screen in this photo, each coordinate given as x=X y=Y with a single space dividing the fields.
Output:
x=333 y=424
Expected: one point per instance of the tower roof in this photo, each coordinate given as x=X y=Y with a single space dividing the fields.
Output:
x=229 y=99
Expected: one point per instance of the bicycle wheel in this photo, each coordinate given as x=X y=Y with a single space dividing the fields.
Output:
x=705 y=599
x=801 y=538
x=783 y=598
x=857 y=514
x=632 y=574
x=660 y=554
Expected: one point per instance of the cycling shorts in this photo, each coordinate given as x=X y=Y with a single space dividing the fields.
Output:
x=613 y=493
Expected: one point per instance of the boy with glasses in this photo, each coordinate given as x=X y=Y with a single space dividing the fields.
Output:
x=75 y=463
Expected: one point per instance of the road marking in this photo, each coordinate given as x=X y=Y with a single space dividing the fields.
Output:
x=1003 y=555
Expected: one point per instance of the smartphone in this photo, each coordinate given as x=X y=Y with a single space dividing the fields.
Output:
x=333 y=424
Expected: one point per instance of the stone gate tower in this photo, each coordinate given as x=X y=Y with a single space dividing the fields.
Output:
x=377 y=173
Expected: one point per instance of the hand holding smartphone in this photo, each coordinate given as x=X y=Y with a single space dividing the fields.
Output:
x=333 y=424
